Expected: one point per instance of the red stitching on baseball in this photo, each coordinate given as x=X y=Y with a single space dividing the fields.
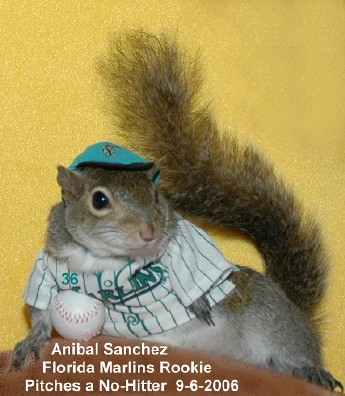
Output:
x=77 y=318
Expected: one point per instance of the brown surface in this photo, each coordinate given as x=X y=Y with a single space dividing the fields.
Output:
x=251 y=381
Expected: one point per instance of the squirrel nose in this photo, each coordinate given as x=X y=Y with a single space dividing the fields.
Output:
x=147 y=233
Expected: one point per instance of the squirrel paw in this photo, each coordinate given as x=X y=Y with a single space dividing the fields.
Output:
x=319 y=377
x=202 y=310
x=25 y=348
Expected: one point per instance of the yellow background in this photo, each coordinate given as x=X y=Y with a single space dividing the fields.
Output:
x=274 y=70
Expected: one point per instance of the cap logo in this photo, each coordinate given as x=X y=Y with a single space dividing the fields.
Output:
x=109 y=150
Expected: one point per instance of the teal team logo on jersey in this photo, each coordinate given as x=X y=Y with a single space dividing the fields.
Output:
x=141 y=282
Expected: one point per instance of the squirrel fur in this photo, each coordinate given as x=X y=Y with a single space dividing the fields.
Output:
x=207 y=173
x=155 y=95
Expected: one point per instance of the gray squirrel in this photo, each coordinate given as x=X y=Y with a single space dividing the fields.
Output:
x=116 y=217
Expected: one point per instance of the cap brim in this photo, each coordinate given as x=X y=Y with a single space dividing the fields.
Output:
x=139 y=166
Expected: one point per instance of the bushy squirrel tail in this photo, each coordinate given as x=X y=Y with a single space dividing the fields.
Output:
x=155 y=90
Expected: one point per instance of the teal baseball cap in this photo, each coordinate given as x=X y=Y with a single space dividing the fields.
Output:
x=109 y=155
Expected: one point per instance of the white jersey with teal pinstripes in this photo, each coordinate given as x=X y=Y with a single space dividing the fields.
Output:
x=142 y=298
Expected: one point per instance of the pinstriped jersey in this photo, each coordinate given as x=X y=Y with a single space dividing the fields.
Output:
x=143 y=298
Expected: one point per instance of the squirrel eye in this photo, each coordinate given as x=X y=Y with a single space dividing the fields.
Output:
x=100 y=201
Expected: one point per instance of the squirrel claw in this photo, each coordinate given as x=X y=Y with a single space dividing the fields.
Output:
x=319 y=377
x=202 y=310
x=25 y=348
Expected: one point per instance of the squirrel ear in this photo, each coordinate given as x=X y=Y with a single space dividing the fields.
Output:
x=155 y=172
x=71 y=183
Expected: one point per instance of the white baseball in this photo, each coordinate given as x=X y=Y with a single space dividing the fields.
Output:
x=76 y=316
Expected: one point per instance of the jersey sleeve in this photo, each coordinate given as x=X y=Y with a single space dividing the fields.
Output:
x=42 y=286
x=197 y=266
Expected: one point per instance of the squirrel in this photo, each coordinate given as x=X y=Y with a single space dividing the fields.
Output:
x=117 y=217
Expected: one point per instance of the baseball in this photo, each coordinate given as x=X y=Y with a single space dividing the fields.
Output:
x=76 y=316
